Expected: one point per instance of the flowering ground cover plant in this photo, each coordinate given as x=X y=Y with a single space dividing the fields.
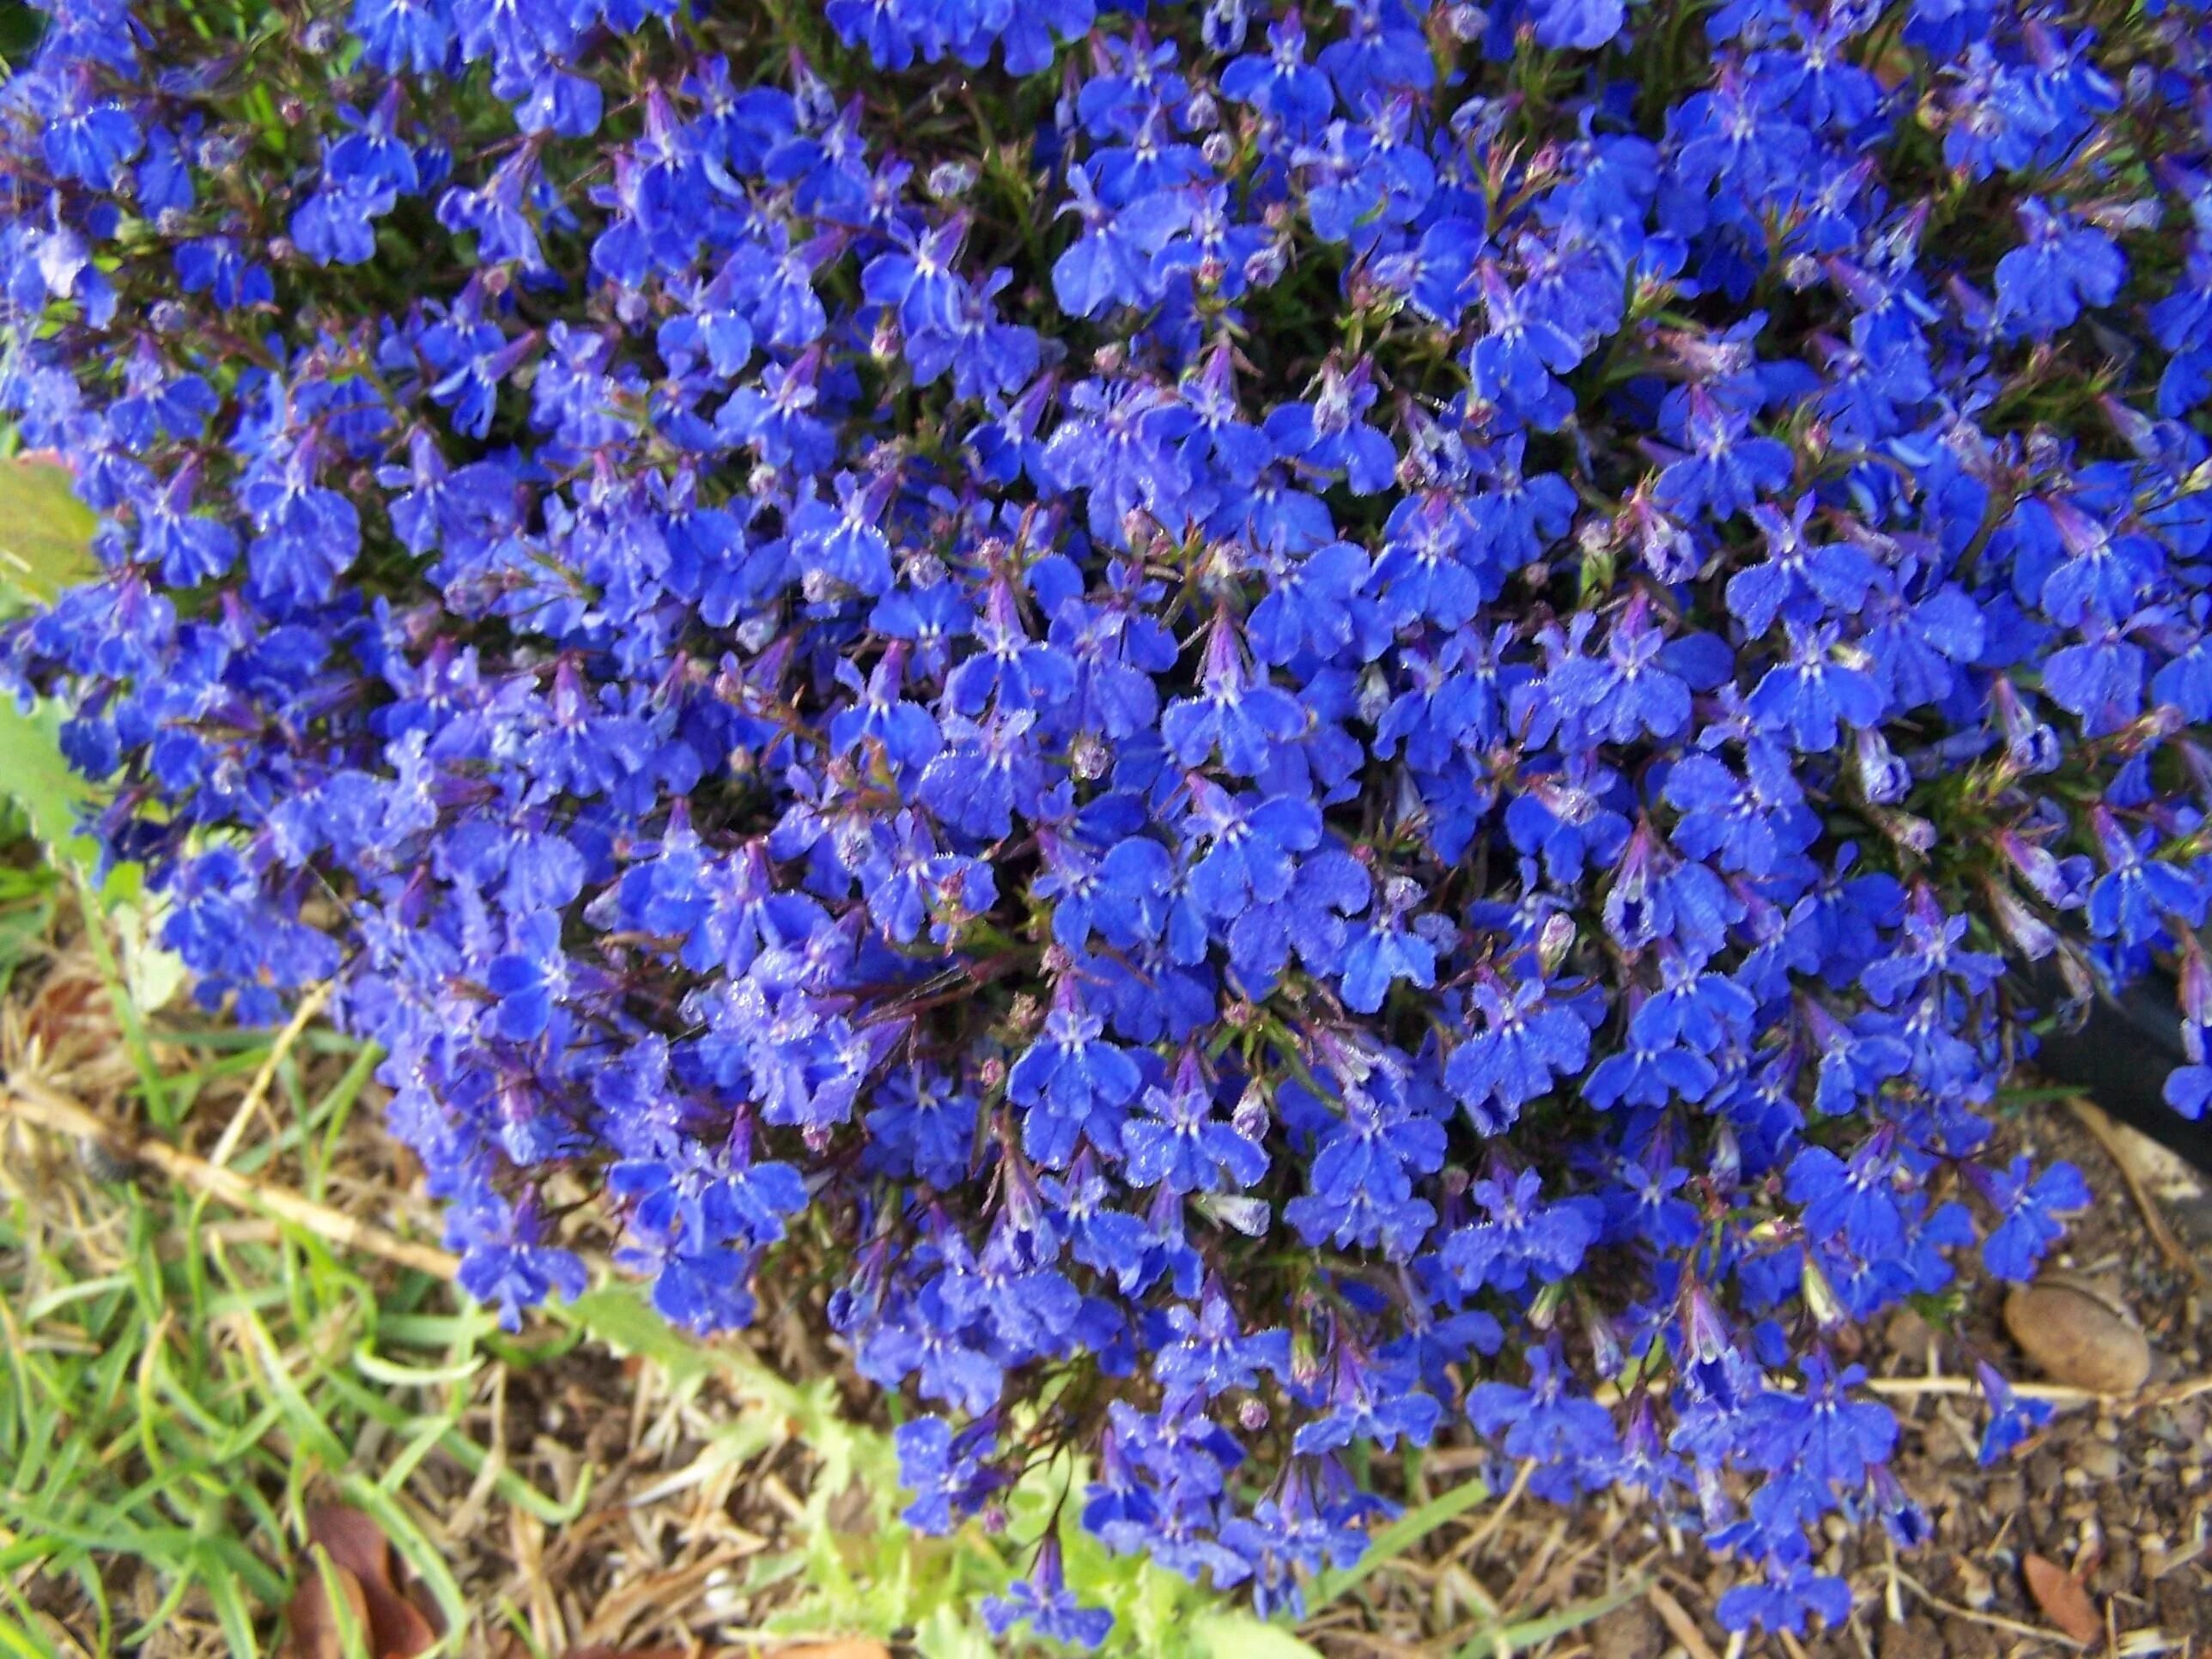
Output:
x=1271 y=724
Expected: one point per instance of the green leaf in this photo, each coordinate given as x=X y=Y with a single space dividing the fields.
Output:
x=1241 y=1636
x=153 y=973
x=618 y=1316
x=34 y=774
x=1530 y=1632
x=945 y=1635
x=46 y=532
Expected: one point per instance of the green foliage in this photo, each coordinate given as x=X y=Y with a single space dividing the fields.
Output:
x=171 y=1399
x=39 y=782
x=46 y=536
x=883 y=1578
x=46 y=532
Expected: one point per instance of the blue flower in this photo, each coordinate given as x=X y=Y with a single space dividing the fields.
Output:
x=1110 y=263
x=1385 y=950
x=2136 y=895
x=2042 y=287
x=404 y=37
x=1280 y=82
x=1808 y=695
x=1525 y=1045
x=1251 y=846
x=1051 y=1610
x=1577 y=25
x=1783 y=1598
x=1074 y=1084
x=2012 y=1419
x=1179 y=1142
x=1802 y=581
x=1628 y=691
x=1329 y=435
x=2028 y=1207
x=1371 y=1402
x=1211 y=1356
x=942 y=1468
x=1236 y=715
x=83 y=136
x=1543 y=1419
x=1727 y=469
x=1520 y=1237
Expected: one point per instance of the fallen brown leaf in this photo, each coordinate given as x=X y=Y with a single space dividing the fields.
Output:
x=2063 y=1598
x=316 y=1631
x=857 y=1647
x=361 y=1555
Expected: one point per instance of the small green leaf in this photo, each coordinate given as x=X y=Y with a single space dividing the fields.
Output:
x=1527 y=1634
x=1241 y=1636
x=34 y=774
x=153 y=973
x=46 y=532
x=618 y=1316
x=945 y=1635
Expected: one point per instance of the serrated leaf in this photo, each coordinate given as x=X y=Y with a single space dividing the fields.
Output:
x=618 y=1315
x=34 y=774
x=1241 y=1636
x=945 y=1635
x=46 y=532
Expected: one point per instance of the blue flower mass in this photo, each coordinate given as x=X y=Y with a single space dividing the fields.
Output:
x=1245 y=732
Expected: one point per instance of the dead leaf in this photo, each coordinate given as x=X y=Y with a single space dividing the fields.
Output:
x=852 y=1646
x=2063 y=1598
x=362 y=1556
x=855 y=1646
x=315 y=1629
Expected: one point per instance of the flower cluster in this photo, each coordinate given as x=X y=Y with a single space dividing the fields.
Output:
x=1240 y=727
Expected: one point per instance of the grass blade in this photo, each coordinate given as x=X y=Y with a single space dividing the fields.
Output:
x=1394 y=1540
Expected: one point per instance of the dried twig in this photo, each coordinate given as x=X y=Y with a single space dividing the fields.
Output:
x=256 y=1093
x=2175 y=1252
x=1992 y=1620
x=2056 y=1394
x=1471 y=1548
x=35 y=1103
x=1673 y=1614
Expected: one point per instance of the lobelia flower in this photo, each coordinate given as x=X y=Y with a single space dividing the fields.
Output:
x=1255 y=717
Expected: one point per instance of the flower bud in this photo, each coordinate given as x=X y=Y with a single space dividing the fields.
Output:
x=950 y=180
x=1883 y=777
x=1251 y=1117
x=1223 y=26
x=1820 y=1295
x=1555 y=940
x=2021 y=928
x=1088 y=756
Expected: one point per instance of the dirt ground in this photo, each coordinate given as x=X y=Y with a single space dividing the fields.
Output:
x=2117 y=1495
